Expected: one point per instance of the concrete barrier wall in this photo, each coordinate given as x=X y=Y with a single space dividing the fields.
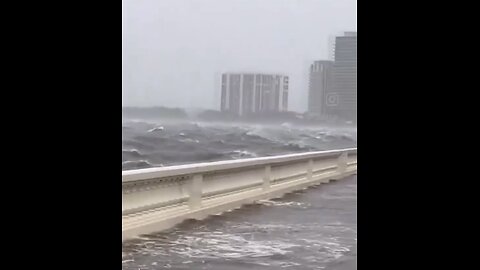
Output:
x=156 y=199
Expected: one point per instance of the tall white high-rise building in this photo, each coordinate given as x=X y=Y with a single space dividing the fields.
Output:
x=247 y=93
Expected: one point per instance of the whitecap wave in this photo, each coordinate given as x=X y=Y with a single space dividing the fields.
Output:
x=283 y=203
x=155 y=129
x=227 y=246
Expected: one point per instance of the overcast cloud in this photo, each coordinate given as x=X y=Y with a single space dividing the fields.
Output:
x=175 y=50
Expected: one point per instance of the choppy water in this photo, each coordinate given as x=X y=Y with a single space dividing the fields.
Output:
x=156 y=143
x=309 y=229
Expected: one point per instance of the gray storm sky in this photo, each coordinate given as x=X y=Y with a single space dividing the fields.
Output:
x=175 y=50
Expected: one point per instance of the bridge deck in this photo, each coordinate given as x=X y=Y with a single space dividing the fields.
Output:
x=310 y=229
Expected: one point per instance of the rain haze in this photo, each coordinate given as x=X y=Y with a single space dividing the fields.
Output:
x=175 y=51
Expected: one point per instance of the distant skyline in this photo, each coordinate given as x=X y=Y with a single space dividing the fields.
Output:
x=174 y=51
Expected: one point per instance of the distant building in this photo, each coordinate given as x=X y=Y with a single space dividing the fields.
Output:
x=341 y=98
x=248 y=93
x=321 y=78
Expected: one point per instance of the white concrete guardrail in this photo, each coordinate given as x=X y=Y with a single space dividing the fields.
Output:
x=156 y=199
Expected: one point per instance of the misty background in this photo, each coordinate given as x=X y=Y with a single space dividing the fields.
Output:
x=174 y=51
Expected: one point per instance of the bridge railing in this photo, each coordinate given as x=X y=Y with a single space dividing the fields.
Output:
x=158 y=198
